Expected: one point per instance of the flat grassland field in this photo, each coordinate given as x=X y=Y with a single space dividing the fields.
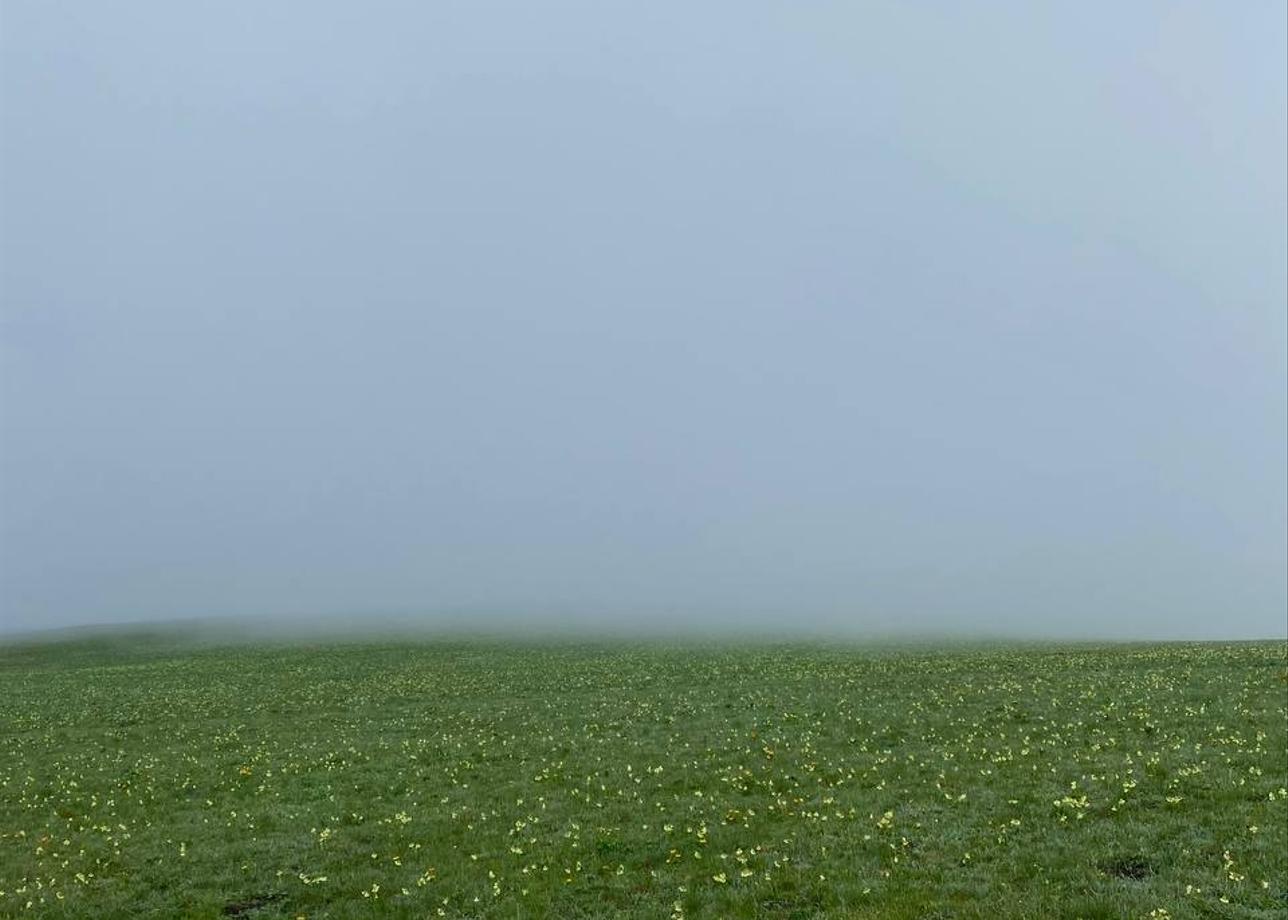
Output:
x=142 y=777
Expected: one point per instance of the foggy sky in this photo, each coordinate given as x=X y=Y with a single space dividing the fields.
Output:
x=864 y=317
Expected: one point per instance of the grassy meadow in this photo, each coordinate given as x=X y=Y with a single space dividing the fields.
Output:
x=142 y=777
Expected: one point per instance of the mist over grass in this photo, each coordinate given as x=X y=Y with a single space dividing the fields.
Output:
x=149 y=635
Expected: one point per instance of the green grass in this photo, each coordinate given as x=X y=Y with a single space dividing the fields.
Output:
x=140 y=777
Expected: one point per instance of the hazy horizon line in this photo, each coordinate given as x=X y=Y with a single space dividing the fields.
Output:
x=570 y=626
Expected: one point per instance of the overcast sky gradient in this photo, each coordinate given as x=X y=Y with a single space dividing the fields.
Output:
x=857 y=316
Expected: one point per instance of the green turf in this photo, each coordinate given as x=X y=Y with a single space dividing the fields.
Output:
x=485 y=779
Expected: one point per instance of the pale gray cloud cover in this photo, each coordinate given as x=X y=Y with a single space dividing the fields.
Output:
x=871 y=317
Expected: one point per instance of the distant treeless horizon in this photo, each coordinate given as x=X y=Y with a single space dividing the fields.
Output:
x=838 y=320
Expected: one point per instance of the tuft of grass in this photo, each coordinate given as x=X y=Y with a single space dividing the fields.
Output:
x=1132 y=867
x=491 y=779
